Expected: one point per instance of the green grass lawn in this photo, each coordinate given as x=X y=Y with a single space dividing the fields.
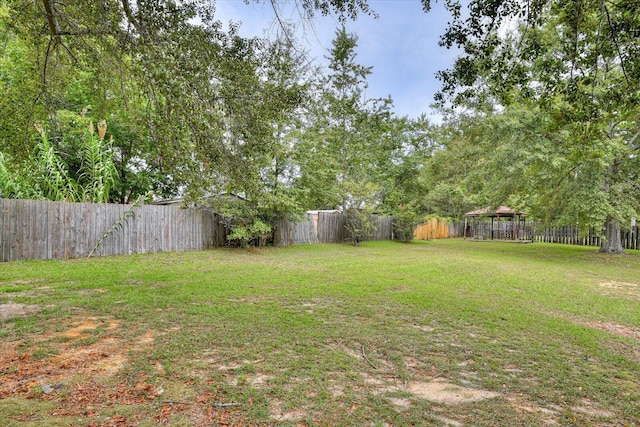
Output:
x=430 y=333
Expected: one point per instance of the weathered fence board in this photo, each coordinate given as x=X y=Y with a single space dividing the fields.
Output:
x=383 y=228
x=331 y=227
x=568 y=235
x=38 y=229
x=296 y=232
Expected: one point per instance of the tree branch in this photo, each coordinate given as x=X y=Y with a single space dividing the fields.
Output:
x=284 y=30
x=52 y=20
x=633 y=140
x=615 y=42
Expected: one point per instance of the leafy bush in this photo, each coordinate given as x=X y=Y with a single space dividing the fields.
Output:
x=405 y=220
x=359 y=224
x=255 y=233
x=246 y=225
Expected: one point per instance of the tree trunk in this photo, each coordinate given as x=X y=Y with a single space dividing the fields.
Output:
x=612 y=243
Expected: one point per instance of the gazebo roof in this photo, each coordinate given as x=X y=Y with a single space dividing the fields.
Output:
x=502 y=211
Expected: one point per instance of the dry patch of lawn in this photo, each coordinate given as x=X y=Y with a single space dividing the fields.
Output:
x=76 y=367
x=622 y=289
x=13 y=309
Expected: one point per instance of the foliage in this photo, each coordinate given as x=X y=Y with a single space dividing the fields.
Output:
x=51 y=178
x=246 y=222
x=13 y=185
x=98 y=166
x=406 y=219
x=130 y=164
x=407 y=147
x=352 y=143
x=253 y=231
x=454 y=175
x=196 y=110
x=47 y=176
x=359 y=224
x=189 y=102
x=361 y=201
x=513 y=51
x=522 y=158
x=561 y=83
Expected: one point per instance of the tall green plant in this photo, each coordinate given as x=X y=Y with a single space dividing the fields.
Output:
x=98 y=166
x=406 y=219
x=344 y=140
x=45 y=175
x=361 y=200
x=51 y=177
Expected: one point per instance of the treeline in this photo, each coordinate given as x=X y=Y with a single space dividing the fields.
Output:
x=540 y=113
x=115 y=102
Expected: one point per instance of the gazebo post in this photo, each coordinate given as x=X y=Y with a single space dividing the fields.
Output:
x=465 y=228
x=513 y=228
x=491 y=228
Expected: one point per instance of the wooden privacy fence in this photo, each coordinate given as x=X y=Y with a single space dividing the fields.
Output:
x=326 y=227
x=39 y=229
x=383 y=228
x=331 y=227
x=538 y=232
x=573 y=236
x=435 y=228
x=296 y=232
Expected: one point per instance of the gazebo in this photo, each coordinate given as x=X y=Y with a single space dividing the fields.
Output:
x=506 y=224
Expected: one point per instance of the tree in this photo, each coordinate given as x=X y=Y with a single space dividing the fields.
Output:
x=339 y=147
x=455 y=177
x=188 y=102
x=405 y=145
x=575 y=64
x=256 y=132
x=67 y=81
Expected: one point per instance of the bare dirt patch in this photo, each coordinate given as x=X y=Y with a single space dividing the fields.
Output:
x=69 y=358
x=615 y=328
x=547 y=414
x=13 y=309
x=423 y=328
x=618 y=329
x=292 y=415
x=237 y=365
x=622 y=289
x=402 y=404
x=448 y=393
x=84 y=327
x=448 y=422
x=259 y=380
x=592 y=409
x=26 y=371
x=431 y=388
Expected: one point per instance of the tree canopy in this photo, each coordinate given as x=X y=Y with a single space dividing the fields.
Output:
x=540 y=111
x=560 y=80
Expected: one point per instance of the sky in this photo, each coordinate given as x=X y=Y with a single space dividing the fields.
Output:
x=401 y=45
